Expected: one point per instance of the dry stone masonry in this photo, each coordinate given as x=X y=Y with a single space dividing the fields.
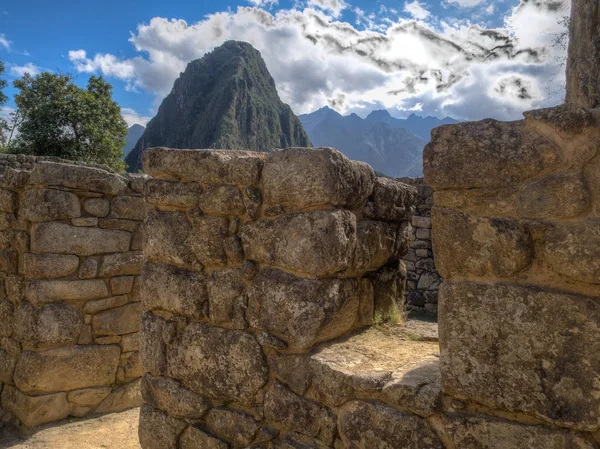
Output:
x=70 y=262
x=422 y=279
x=516 y=237
x=254 y=264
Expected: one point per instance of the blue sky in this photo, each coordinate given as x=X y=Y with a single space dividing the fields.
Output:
x=428 y=57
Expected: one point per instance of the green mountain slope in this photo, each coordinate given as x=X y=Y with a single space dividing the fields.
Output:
x=225 y=100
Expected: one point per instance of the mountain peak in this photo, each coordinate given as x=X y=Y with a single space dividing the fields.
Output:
x=228 y=100
x=381 y=114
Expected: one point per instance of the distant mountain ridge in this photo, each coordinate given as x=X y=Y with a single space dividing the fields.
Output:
x=226 y=100
x=133 y=135
x=390 y=145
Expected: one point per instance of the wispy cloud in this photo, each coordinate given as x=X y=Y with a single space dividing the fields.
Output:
x=416 y=10
x=263 y=3
x=335 y=7
x=4 y=42
x=132 y=117
x=20 y=70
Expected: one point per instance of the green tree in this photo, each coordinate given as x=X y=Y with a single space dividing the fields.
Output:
x=3 y=122
x=58 y=118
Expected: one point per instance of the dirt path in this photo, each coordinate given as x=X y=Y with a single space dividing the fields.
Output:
x=114 y=431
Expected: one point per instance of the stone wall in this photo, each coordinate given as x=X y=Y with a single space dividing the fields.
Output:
x=253 y=263
x=70 y=261
x=27 y=162
x=422 y=279
x=516 y=237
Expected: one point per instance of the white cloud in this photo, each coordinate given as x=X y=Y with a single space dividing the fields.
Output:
x=416 y=10
x=263 y=3
x=20 y=70
x=132 y=117
x=4 y=42
x=451 y=68
x=335 y=7
x=464 y=3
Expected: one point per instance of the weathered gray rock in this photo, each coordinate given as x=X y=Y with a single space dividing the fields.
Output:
x=88 y=269
x=130 y=342
x=194 y=438
x=372 y=425
x=123 y=398
x=299 y=178
x=293 y=440
x=488 y=433
x=47 y=326
x=158 y=430
x=121 y=285
x=391 y=200
x=34 y=411
x=66 y=369
x=376 y=244
x=557 y=196
x=293 y=371
x=119 y=224
x=238 y=428
x=89 y=397
x=128 y=207
x=169 y=395
x=222 y=201
x=61 y=238
x=514 y=338
x=6 y=318
x=8 y=362
x=204 y=166
x=98 y=207
x=8 y=261
x=77 y=177
x=296 y=413
x=206 y=239
x=172 y=194
x=173 y=289
x=122 y=264
x=573 y=249
x=98 y=305
x=48 y=265
x=316 y=243
x=43 y=291
x=470 y=245
x=302 y=312
x=119 y=321
x=219 y=363
x=8 y=200
x=486 y=154
x=48 y=205
x=165 y=239
x=153 y=351
x=224 y=290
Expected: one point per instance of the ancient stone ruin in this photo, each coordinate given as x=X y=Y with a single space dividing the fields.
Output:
x=69 y=309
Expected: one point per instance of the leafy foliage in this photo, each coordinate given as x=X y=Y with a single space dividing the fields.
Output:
x=58 y=118
x=3 y=122
x=225 y=100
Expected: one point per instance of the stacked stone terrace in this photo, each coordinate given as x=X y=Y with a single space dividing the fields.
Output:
x=422 y=279
x=70 y=261
x=253 y=263
x=516 y=236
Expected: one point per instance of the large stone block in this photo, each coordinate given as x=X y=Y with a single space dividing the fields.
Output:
x=8 y=361
x=299 y=178
x=557 y=196
x=157 y=430
x=66 y=369
x=128 y=207
x=522 y=349
x=78 y=177
x=119 y=321
x=6 y=318
x=391 y=200
x=47 y=326
x=48 y=265
x=153 y=350
x=317 y=243
x=488 y=433
x=219 y=363
x=486 y=154
x=8 y=200
x=62 y=238
x=238 y=428
x=225 y=288
x=206 y=167
x=296 y=413
x=293 y=440
x=173 y=289
x=172 y=194
x=123 y=398
x=42 y=291
x=207 y=238
x=98 y=207
x=34 y=411
x=170 y=396
x=466 y=245
x=223 y=201
x=122 y=264
x=165 y=239
x=48 y=205
x=573 y=249
x=303 y=312
x=194 y=438
x=377 y=242
x=374 y=425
